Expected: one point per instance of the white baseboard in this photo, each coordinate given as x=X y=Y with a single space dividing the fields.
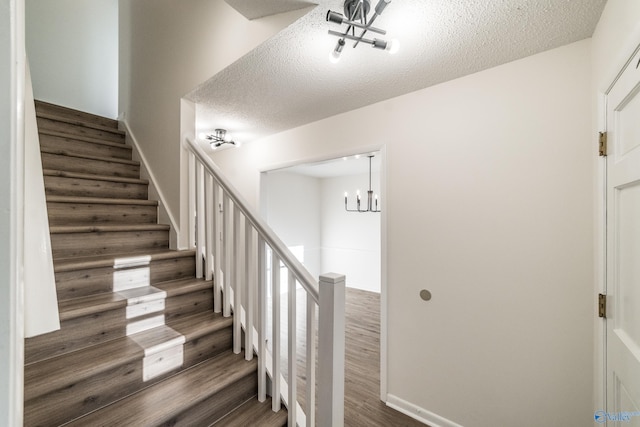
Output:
x=418 y=413
x=155 y=192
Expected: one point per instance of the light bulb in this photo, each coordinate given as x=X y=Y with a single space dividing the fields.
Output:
x=334 y=57
x=393 y=46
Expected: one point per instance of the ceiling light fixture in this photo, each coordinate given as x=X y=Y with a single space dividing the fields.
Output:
x=372 y=199
x=219 y=138
x=357 y=11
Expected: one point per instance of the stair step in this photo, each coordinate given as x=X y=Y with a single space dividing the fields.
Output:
x=65 y=387
x=52 y=140
x=83 y=240
x=115 y=261
x=58 y=110
x=65 y=210
x=199 y=395
x=206 y=333
x=183 y=286
x=81 y=163
x=78 y=333
x=255 y=413
x=51 y=374
x=99 y=318
x=78 y=127
x=60 y=183
x=82 y=276
x=93 y=304
x=187 y=297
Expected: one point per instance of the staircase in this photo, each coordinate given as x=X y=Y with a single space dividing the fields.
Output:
x=139 y=343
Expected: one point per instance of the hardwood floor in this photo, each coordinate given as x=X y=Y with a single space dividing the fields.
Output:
x=362 y=377
x=362 y=360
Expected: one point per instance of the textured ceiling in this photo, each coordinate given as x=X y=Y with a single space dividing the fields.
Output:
x=288 y=81
x=252 y=9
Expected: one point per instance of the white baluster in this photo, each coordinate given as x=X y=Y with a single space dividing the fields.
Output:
x=192 y=200
x=249 y=270
x=275 y=350
x=200 y=231
x=331 y=344
x=262 y=320
x=226 y=212
x=311 y=362
x=217 y=257
x=237 y=281
x=293 y=394
x=208 y=207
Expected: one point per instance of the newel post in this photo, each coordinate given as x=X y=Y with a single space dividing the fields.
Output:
x=331 y=350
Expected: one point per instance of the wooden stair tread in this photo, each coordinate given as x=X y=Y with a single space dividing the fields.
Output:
x=164 y=400
x=183 y=286
x=67 y=153
x=61 y=229
x=99 y=200
x=43 y=107
x=111 y=260
x=52 y=374
x=84 y=306
x=53 y=172
x=79 y=122
x=254 y=413
x=83 y=138
x=193 y=327
x=152 y=352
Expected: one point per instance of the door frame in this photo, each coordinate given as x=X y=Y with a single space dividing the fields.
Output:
x=352 y=151
x=600 y=356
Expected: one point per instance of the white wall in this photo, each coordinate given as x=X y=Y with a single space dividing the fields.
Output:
x=615 y=38
x=293 y=212
x=309 y=211
x=351 y=241
x=502 y=236
x=40 y=299
x=73 y=53
x=167 y=48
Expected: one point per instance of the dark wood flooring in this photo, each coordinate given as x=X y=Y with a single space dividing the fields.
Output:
x=362 y=359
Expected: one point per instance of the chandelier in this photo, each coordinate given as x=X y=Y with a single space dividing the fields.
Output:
x=219 y=138
x=372 y=200
x=355 y=16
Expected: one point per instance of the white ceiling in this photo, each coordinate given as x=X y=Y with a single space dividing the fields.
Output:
x=352 y=165
x=288 y=81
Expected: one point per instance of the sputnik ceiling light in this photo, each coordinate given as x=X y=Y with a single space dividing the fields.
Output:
x=371 y=198
x=355 y=16
x=219 y=138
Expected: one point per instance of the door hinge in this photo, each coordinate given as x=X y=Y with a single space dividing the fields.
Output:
x=602 y=144
x=602 y=306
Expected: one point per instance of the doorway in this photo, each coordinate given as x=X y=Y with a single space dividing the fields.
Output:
x=297 y=183
x=305 y=205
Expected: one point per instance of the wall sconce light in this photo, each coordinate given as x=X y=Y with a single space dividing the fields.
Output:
x=219 y=138
x=357 y=11
x=372 y=199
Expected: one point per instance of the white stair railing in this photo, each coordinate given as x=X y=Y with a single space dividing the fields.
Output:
x=233 y=245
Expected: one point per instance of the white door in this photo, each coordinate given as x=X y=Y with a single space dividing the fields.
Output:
x=623 y=250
